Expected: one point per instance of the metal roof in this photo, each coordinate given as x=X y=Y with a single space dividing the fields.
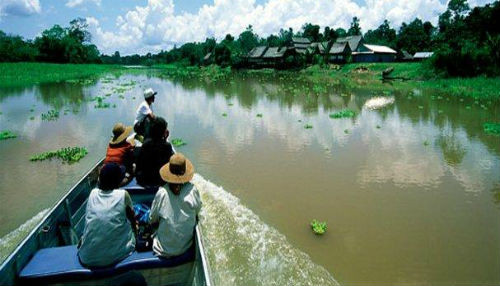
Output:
x=338 y=48
x=274 y=52
x=380 y=49
x=301 y=40
x=353 y=41
x=257 y=52
x=423 y=55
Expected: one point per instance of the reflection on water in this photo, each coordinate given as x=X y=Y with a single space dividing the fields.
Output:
x=409 y=186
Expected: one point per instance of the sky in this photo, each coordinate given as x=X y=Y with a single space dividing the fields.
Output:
x=142 y=26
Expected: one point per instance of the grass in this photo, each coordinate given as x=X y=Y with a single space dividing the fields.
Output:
x=18 y=74
x=308 y=126
x=51 y=115
x=259 y=115
x=346 y=113
x=178 y=142
x=67 y=155
x=492 y=128
x=6 y=134
x=318 y=227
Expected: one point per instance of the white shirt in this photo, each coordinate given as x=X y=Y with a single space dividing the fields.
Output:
x=142 y=111
x=107 y=236
x=177 y=217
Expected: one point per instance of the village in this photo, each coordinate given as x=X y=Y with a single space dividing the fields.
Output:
x=303 y=50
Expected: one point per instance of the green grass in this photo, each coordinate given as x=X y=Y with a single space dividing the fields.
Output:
x=308 y=126
x=492 y=128
x=178 y=142
x=346 y=113
x=18 y=74
x=67 y=155
x=51 y=115
x=318 y=227
x=6 y=134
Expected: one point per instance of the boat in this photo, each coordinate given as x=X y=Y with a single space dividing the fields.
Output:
x=48 y=255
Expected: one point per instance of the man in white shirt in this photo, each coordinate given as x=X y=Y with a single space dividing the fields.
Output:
x=175 y=208
x=144 y=113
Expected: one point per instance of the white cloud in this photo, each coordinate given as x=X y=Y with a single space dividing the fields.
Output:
x=20 y=7
x=74 y=3
x=156 y=26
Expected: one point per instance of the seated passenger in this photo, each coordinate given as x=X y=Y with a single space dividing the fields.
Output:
x=154 y=153
x=120 y=151
x=175 y=208
x=108 y=236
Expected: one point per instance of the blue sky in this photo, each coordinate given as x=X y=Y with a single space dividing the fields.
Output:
x=140 y=26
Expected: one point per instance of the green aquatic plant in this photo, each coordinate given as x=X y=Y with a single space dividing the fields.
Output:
x=343 y=114
x=6 y=134
x=67 y=155
x=426 y=143
x=346 y=131
x=32 y=110
x=318 y=227
x=492 y=128
x=224 y=114
x=259 y=114
x=308 y=126
x=100 y=103
x=178 y=142
x=51 y=115
x=378 y=127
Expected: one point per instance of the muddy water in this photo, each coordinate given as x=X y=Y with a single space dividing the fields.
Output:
x=409 y=186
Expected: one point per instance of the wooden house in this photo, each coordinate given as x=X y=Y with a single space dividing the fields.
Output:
x=255 y=56
x=373 y=53
x=339 y=52
x=301 y=45
x=420 y=56
x=355 y=42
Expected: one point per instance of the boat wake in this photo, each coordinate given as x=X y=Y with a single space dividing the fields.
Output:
x=10 y=241
x=243 y=250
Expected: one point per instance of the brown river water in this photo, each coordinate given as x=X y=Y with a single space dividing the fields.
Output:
x=411 y=194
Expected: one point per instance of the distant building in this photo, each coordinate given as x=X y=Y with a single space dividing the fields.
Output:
x=319 y=48
x=420 y=56
x=301 y=45
x=255 y=56
x=274 y=54
x=404 y=56
x=339 y=52
x=208 y=58
x=355 y=42
x=373 y=53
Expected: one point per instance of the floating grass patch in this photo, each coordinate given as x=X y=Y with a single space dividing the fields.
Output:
x=6 y=134
x=178 y=142
x=308 y=126
x=346 y=113
x=346 y=131
x=67 y=155
x=51 y=115
x=492 y=128
x=259 y=114
x=378 y=127
x=100 y=103
x=224 y=114
x=426 y=143
x=318 y=227
x=32 y=118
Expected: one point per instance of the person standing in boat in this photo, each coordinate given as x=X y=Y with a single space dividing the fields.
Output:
x=144 y=114
x=175 y=208
x=121 y=151
x=154 y=153
x=108 y=236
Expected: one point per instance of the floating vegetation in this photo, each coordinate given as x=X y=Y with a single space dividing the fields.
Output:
x=6 y=134
x=51 y=115
x=346 y=131
x=178 y=142
x=378 y=127
x=32 y=110
x=308 y=126
x=224 y=114
x=259 y=114
x=492 y=128
x=100 y=103
x=343 y=114
x=468 y=107
x=426 y=143
x=318 y=227
x=32 y=118
x=230 y=104
x=67 y=155
x=420 y=107
x=121 y=96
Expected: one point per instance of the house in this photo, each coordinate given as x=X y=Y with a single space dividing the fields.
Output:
x=355 y=42
x=208 y=58
x=339 y=52
x=373 y=53
x=319 y=48
x=404 y=56
x=301 y=44
x=255 y=56
x=420 y=56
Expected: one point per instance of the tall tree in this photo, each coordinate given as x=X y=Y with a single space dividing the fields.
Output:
x=383 y=35
x=355 y=29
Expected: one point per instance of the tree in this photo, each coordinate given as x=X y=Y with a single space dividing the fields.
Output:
x=415 y=36
x=341 y=32
x=329 y=34
x=248 y=40
x=383 y=35
x=311 y=32
x=355 y=29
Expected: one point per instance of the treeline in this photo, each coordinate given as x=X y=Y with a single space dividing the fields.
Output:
x=466 y=43
x=57 y=45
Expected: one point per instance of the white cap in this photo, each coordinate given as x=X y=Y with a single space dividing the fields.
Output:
x=148 y=93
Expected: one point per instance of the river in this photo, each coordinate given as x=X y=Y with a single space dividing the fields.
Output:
x=409 y=186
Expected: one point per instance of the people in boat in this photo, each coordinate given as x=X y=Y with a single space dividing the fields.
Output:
x=110 y=227
x=144 y=114
x=121 y=151
x=154 y=153
x=175 y=208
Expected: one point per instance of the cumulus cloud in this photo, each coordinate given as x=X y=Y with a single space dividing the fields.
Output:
x=20 y=7
x=74 y=3
x=156 y=26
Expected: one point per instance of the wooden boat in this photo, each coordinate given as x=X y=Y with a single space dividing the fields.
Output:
x=48 y=255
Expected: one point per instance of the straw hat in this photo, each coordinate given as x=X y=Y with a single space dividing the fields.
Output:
x=149 y=93
x=178 y=171
x=120 y=133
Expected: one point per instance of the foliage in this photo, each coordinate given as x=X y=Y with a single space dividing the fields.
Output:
x=177 y=142
x=383 y=35
x=68 y=154
x=100 y=103
x=308 y=126
x=415 y=36
x=492 y=128
x=343 y=114
x=318 y=227
x=355 y=29
x=51 y=115
x=6 y=134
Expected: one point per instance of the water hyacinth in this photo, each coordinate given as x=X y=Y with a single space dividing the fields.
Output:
x=318 y=227
x=6 y=134
x=177 y=142
x=492 y=128
x=67 y=155
x=343 y=114
x=51 y=115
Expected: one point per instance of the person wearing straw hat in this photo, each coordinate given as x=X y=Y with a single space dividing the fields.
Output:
x=144 y=113
x=175 y=208
x=120 y=151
